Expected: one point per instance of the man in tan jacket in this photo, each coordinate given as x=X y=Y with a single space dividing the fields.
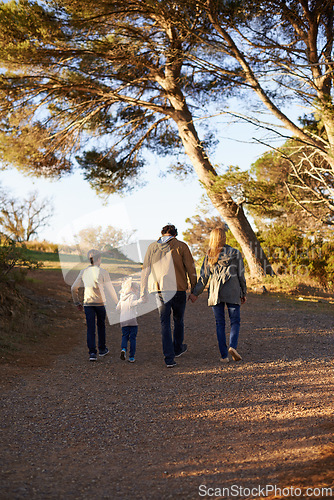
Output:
x=168 y=265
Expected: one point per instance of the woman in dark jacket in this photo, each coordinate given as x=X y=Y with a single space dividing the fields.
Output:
x=224 y=267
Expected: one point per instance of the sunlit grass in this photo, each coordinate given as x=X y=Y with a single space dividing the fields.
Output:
x=52 y=261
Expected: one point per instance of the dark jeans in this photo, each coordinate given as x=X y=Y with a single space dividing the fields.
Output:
x=168 y=302
x=129 y=333
x=98 y=313
x=234 y=315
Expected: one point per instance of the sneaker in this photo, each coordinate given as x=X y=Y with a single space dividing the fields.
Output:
x=171 y=365
x=104 y=352
x=224 y=360
x=235 y=355
x=123 y=355
x=184 y=348
x=92 y=356
x=131 y=360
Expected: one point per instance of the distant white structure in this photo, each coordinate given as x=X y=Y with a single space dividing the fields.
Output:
x=136 y=251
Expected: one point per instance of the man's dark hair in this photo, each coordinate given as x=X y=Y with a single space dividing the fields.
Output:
x=170 y=229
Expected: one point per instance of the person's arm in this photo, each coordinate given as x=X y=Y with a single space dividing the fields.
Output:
x=145 y=274
x=110 y=291
x=203 y=279
x=190 y=267
x=78 y=283
x=242 y=279
x=137 y=302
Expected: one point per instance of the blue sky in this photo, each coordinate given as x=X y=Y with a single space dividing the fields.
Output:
x=147 y=209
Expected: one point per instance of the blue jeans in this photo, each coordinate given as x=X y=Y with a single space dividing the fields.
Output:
x=129 y=333
x=234 y=315
x=168 y=302
x=98 y=313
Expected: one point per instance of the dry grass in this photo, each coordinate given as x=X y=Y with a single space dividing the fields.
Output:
x=289 y=284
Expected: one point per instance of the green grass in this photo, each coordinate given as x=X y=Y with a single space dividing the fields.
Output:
x=52 y=261
x=43 y=256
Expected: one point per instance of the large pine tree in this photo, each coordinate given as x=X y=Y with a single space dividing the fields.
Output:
x=100 y=81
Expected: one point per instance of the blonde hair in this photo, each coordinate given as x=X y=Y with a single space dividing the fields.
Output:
x=216 y=243
x=128 y=285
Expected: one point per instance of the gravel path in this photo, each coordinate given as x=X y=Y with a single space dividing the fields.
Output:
x=115 y=430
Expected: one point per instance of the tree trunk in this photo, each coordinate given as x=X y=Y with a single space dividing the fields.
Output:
x=232 y=213
x=241 y=229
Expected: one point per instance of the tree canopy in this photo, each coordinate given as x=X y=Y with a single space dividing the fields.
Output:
x=97 y=83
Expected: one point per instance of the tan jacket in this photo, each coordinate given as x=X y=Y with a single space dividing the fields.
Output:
x=167 y=267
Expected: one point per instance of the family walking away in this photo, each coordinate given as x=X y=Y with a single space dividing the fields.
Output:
x=224 y=267
x=168 y=272
x=127 y=306
x=167 y=267
x=98 y=291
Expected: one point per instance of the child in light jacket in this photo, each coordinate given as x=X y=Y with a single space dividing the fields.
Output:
x=127 y=306
x=99 y=292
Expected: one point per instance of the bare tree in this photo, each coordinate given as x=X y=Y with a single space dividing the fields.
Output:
x=311 y=184
x=21 y=220
x=102 y=238
x=290 y=186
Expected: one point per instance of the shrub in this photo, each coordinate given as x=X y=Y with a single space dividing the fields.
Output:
x=41 y=246
x=303 y=255
x=14 y=256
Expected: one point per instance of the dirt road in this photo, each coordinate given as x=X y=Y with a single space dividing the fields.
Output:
x=114 y=430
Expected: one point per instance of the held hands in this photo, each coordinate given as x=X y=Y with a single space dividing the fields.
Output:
x=192 y=297
x=80 y=307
